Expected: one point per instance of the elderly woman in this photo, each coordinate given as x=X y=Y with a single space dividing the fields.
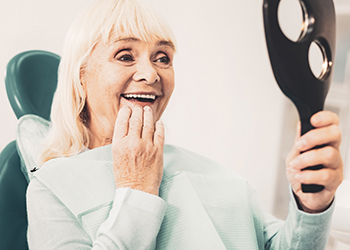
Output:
x=108 y=181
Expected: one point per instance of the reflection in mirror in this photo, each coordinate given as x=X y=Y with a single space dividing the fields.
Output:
x=318 y=60
x=291 y=16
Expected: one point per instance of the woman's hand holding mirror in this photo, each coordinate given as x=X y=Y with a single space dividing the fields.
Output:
x=326 y=133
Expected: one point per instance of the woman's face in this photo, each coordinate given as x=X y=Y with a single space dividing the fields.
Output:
x=127 y=72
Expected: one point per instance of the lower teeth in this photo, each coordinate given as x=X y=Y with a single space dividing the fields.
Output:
x=141 y=99
x=144 y=100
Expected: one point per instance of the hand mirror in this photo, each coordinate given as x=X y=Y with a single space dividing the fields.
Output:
x=290 y=60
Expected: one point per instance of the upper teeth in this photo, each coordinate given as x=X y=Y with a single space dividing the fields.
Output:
x=140 y=96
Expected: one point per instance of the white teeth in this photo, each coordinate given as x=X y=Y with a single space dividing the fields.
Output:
x=153 y=97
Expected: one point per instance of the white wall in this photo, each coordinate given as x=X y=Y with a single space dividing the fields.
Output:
x=226 y=104
x=29 y=25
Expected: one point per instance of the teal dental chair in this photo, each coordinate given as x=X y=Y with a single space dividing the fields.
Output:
x=31 y=80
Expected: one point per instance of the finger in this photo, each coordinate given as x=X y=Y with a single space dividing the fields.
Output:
x=325 y=177
x=159 y=134
x=328 y=157
x=324 y=118
x=297 y=135
x=148 y=124
x=135 y=122
x=294 y=152
x=122 y=122
x=329 y=135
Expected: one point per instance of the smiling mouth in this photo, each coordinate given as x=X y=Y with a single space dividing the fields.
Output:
x=140 y=97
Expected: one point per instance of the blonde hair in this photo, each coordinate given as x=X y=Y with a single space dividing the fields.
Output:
x=105 y=20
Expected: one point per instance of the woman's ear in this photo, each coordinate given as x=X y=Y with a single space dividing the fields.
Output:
x=83 y=81
x=82 y=93
x=82 y=89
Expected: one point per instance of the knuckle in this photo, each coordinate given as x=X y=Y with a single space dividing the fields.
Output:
x=326 y=176
x=336 y=118
x=122 y=121
x=160 y=124
x=307 y=157
x=147 y=146
x=329 y=154
x=160 y=135
x=311 y=139
x=307 y=176
x=129 y=146
x=148 y=126
x=135 y=120
x=306 y=139
x=336 y=132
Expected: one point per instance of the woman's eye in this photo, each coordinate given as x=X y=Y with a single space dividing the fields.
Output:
x=163 y=60
x=126 y=58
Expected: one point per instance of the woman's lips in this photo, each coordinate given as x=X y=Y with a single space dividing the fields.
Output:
x=140 y=97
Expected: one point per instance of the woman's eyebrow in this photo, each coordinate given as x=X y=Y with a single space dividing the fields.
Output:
x=168 y=43
x=126 y=39
x=133 y=39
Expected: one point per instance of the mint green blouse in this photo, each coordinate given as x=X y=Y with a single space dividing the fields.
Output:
x=73 y=204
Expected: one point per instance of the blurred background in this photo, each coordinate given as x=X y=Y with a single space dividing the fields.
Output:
x=226 y=105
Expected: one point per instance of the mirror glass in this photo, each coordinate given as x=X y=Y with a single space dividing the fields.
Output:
x=318 y=60
x=291 y=19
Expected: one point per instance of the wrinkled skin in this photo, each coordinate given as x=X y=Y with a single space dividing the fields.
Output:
x=138 y=150
x=327 y=133
x=130 y=66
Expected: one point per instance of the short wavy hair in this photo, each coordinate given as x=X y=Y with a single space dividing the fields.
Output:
x=105 y=20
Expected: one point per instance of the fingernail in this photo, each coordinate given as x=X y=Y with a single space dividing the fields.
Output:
x=300 y=144
x=294 y=163
x=317 y=118
x=147 y=108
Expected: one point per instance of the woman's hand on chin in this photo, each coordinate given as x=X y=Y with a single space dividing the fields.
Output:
x=137 y=149
x=327 y=133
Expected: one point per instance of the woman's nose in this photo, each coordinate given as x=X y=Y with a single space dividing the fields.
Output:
x=146 y=73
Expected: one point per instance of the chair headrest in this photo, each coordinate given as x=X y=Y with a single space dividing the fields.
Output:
x=31 y=80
